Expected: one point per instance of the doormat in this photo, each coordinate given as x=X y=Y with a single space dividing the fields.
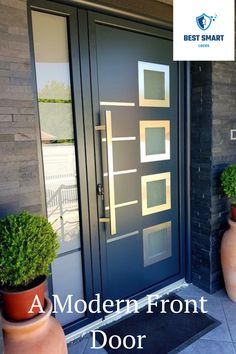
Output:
x=165 y=332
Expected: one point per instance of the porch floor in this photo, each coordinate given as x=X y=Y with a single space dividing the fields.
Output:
x=221 y=340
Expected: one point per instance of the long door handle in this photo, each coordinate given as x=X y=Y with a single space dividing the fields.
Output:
x=110 y=172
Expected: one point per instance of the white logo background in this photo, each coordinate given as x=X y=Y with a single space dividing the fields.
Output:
x=185 y=13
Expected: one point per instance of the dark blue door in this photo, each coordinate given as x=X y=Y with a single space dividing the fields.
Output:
x=136 y=116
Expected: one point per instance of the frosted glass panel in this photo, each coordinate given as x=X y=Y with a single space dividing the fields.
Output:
x=155 y=141
x=157 y=243
x=154 y=85
x=68 y=281
x=156 y=193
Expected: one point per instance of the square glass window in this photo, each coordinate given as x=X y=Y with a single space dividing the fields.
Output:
x=157 y=243
x=154 y=140
x=154 y=84
x=156 y=192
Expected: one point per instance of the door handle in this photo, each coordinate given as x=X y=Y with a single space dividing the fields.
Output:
x=110 y=172
x=111 y=189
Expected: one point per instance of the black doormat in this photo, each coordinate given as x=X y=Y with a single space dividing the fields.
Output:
x=165 y=332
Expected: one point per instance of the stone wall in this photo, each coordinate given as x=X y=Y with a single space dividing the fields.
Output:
x=19 y=176
x=201 y=147
x=223 y=153
x=213 y=115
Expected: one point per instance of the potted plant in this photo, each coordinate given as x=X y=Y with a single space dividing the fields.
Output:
x=28 y=245
x=228 y=244
x=228 y=183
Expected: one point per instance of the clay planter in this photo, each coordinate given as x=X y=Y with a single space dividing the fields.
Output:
x=233 y=212
x=228 y=260
x=17 y=304
x=40 y=335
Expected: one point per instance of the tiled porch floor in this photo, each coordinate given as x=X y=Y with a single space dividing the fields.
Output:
x=221 y=340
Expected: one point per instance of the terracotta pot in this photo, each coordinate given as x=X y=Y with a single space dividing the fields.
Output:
x=228 y=260
x=17 y=304
x=233 y=212
x=41 y=335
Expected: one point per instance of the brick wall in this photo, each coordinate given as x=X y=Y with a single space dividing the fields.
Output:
x=19 y=181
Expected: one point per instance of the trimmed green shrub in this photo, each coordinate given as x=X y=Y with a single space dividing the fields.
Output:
x=228 y=182
x=28 y=245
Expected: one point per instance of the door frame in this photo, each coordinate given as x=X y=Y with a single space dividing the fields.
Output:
x=80 y=61
x=183 y=167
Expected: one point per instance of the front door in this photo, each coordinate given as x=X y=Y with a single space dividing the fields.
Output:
x=135 y=90
x=111 y=119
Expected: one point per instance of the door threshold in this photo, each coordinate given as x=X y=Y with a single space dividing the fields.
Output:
x=117 y=316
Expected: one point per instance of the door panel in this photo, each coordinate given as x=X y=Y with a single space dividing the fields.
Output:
x=136 y=90
x=121 y=129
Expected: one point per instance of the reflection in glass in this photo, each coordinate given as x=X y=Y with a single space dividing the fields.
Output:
x=156 y=193
x=154 y=85
x=56 y=122
x=154 y=140
x=157 y=243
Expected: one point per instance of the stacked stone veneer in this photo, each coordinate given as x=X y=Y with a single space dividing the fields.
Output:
x=213 y=116
x=19 y=172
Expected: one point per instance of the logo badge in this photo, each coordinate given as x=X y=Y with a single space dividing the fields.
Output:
x=204 y=21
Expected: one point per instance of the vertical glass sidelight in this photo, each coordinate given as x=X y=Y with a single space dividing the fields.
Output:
x=58 y=148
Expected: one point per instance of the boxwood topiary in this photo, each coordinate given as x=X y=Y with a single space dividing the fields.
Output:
x=28 y=245
x=228 y=182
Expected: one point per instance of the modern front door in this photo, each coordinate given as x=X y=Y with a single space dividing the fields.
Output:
x=111 y=117
x=135 y=90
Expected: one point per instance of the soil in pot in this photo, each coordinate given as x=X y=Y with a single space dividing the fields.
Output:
x=18 y=302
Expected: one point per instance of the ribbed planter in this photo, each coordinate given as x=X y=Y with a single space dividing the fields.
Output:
x=228 y=259
x=40 y=335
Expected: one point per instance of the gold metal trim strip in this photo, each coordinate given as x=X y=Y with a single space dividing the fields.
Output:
x=123 y=104
x=123 y=204
x=117 y=173
x=117 y=238
x=110 y=172
x=126 y=204
x=122 y=138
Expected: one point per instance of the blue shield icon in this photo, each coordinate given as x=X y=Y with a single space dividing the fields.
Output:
x=203 y=21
